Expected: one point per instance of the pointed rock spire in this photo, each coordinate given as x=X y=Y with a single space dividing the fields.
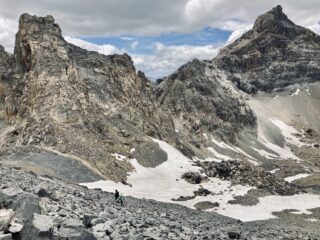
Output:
x=274 y=21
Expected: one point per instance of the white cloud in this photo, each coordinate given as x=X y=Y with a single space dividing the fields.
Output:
x=238 y=33
x=315 y=28
x=127 y=38
x=8 y=29
x=134 y=45
x=106 y=49
x=163 y=61
x=166 y=59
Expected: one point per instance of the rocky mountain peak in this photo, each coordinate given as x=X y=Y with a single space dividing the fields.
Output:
x=31 y=26
x=273 y=21
x=274 y=54
x=35 y=35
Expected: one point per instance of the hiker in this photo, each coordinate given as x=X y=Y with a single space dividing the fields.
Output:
x=116 y=195
x=121 y=198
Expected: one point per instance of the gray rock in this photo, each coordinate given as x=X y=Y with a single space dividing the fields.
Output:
x=205 y=205
x=275 y=48
x=149 y=154
x=7 y=236
x=234 y=234
x=41 y=226
x=107 y=227
x=5 y=218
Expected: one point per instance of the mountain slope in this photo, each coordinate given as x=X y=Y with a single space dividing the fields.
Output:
x=77 y=102
x=274 y=54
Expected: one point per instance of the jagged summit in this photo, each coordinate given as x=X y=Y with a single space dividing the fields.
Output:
x=274 y=54
x=274 y=21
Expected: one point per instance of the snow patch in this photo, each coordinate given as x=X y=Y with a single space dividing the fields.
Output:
x=296 y=93
x=296 y=177
x=219 y=155
x=119 y=156
x=267 y=205
x=274 y=170
x=288 y=132
x=311 y=220
x=164 y=182
x=284 y=153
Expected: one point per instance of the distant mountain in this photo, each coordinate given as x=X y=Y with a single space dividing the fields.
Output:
x=274 y=54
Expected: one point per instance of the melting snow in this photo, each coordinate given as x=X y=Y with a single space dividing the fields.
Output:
x=296 y=93
x=288 y=132
x=163 y=183
x=267 y=205
x=118 y=156
x=284 y=153
x=311 y=220
x=296 y=177
x=274 y=170
x=219 y=155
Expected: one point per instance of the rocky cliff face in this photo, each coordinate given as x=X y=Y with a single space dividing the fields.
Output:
x=81 y=103
x=89 y=106
x=199 y=98
x=65 y=100
x=274 y=54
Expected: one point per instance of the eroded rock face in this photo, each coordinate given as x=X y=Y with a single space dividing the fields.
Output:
x=198 y=100
x=77 y=102
x=274 y=54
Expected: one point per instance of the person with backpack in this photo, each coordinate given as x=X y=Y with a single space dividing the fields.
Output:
x=121 y=198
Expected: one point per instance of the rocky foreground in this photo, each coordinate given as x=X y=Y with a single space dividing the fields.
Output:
x=33 y=207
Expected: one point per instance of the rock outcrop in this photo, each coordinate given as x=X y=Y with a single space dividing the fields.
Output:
x=199 y=100
x=274 y=54
x=73 y=101
x=74 y=212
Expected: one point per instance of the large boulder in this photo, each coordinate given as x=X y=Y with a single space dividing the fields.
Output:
x=40 y=227
x=5 y=218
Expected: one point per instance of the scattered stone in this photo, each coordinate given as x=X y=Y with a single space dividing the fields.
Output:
x=205 y=205
x=183 y=198
x=202 y=192
x=43 y=193
x=234 y=234
x=193 y=177
x=41 y=226
x=5 y=218
x=7 y=236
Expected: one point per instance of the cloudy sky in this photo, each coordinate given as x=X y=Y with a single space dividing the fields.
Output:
x=160 y=35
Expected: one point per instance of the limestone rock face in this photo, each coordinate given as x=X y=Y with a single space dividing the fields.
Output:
x=274 y=54
x=198 y=99
x=82 y=103
x=69 y=107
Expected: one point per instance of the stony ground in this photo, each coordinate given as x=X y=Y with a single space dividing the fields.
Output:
x=33 y=207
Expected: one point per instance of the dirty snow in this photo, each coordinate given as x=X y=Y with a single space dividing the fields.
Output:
x=166 y=179
x=296 y=93
x=296 y=177
x=284 y=153
x=267 y=205
x=219 y=155
x=311 y=220
x=274 y=170
x=163 y=183
x=288 y=132
x=118 y=156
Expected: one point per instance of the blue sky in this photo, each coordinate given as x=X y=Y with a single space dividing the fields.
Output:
x=161 y=54
x=144 y=44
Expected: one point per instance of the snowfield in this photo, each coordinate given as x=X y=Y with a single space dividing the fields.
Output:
x=163 y=183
